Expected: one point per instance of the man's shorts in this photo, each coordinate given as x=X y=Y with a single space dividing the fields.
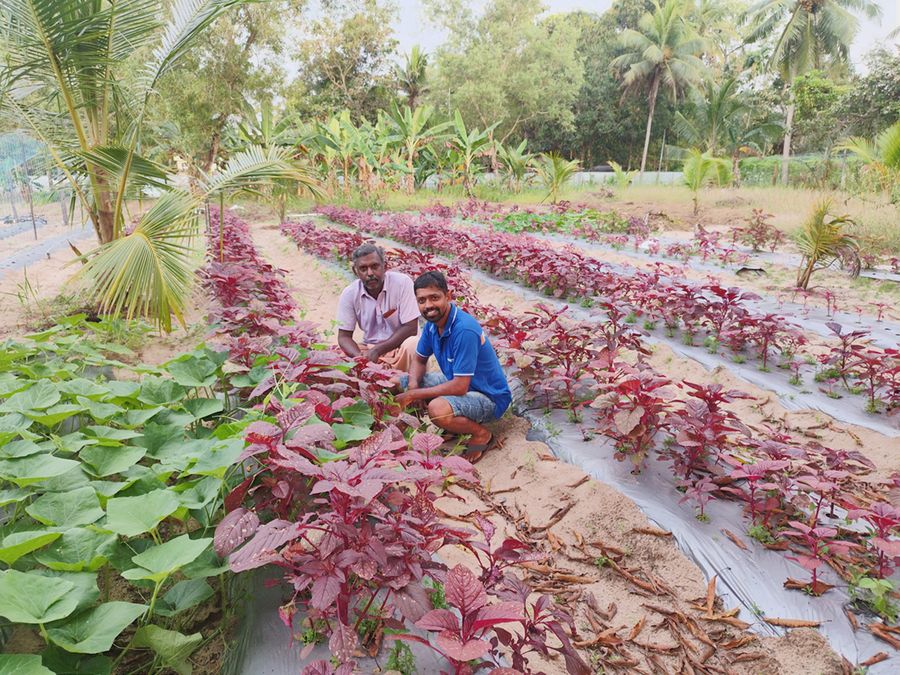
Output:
x=473 y=404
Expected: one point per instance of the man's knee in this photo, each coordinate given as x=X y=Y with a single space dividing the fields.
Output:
x=439 y=410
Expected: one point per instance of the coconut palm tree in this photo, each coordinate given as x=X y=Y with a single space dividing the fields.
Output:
x=555 y=171
x=707 y=125
x=823 y=242
x=808 y=32
x=515 y=161
x=411 y=76
x=64 y=81
x=702 y=169
x=661 y=55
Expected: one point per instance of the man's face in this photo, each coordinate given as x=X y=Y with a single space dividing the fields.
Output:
x=434 y=304
x=370 y=271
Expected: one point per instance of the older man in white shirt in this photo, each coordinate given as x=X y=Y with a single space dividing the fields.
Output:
x=383 y=304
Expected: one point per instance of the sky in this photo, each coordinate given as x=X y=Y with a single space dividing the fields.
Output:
x=412 y=26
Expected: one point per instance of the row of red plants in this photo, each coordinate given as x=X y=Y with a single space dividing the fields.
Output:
x=707 y=313
x=783 y=482
x=338 y=491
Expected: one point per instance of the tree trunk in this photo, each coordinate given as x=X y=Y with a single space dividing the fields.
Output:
x=105 y=208
x=736 y=171
x=786 y=151
x=654 y=89
x=213 y=153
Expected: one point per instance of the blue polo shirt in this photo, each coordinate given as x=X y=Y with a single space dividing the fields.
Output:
x=464 y=350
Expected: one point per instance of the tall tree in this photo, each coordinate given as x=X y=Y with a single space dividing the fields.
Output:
x=411 y=76
x=238 y=60
x=345 y=62
x=661 y=54
x=505 y=66
x=807 y=32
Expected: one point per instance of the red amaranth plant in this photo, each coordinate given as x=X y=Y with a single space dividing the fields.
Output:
x=822 y=545
x=633 y=411
x=884 y=521
x=703 y=428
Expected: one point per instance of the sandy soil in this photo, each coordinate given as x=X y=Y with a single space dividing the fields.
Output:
x=576 y=521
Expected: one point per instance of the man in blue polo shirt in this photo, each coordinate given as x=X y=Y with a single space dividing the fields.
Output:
x=471 y=388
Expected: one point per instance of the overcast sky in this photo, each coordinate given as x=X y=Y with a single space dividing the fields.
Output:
x=413 y=28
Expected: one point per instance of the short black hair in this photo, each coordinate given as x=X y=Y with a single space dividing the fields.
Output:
x=367 y=249
x=431 y=279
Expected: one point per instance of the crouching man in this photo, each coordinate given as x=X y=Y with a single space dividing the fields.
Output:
x=383 y=304
x=471 y=389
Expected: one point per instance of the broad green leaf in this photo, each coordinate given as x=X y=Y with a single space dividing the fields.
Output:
x=193 y=371
x=200 y=493
x=72 y=443
x=22 y=664
x=22 y=448
x=359 y=414
x=12 y=425
x=179 y=456
x=99 y=411
x=203 y=407
x=208 y=564
x=135 y=418
x=83 y=387
x=33 y=598
x=123 y=389
x=158 y=436
x=55 y=414
x=160 y=391
x=77 y=550
x=102 y=460
x=10 y=384
x=77 y=507
x=111 y=436
x=17 y=544
x=347 y=433
x=158 y=562
x=13 y=496
x=38 y=396
x=172 y=647
x=65 y=663
x=219 y=459
x=34 y=468
x=184 y=595
x=93 y=631
x=85 y=592
x=110 y=488
x=131 y=516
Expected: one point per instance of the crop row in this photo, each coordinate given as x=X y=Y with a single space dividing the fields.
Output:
x=786 y=485
x=707 y=313
x=339 y=492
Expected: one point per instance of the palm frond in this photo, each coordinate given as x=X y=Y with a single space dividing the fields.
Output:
x=257 y=165
x=150 y=271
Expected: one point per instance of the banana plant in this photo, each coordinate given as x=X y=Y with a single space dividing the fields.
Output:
x=881 y=154
x=702 y=169
x=823 y=242
x=470 y=144
x=555 y=171
x=515 y=162
x=411 y=132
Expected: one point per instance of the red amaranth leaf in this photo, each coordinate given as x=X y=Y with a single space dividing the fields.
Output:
x=262 y=548
x=234 y=529
x=439 y=620
x=464 y=591
x=342 y=642
x=453 y=646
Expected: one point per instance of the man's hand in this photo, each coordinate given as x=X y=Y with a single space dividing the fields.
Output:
x=374 y=353
x=404 y=399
